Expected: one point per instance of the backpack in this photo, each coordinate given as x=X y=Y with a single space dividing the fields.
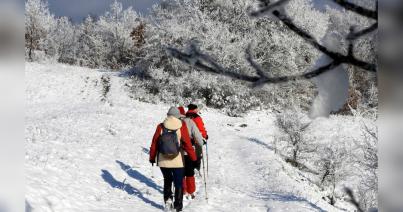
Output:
x=168 y=143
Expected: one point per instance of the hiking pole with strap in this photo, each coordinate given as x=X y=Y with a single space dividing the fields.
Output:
x=207 y=157
x=204 y=174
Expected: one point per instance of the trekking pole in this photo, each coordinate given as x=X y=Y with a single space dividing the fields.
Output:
x=152 y=170
x=207 y=157
x=205 y=183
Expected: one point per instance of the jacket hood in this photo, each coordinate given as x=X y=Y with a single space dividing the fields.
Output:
x=172 y=123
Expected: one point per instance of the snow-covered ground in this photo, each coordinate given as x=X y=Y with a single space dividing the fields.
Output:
x=87 y=147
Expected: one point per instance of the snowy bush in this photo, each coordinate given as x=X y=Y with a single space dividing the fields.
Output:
x=234 y=99
x=293 y=125
x=332 y=160
x=331 y=171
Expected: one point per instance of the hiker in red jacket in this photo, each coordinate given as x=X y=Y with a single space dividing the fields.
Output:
x=170 y=141
x=193 y=113
x=189 y=182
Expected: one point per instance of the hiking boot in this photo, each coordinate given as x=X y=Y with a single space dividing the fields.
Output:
x=168 y=205
x=186 y=195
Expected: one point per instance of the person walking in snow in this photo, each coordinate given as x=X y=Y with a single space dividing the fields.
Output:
x=170 y=141
x=189 y=182
x=193 y=113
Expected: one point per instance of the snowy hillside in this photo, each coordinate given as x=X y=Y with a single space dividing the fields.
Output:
x=87 y=150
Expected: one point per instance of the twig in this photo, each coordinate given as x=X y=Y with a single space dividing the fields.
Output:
x=356 y=35
x=255 y=65
x=353 y=200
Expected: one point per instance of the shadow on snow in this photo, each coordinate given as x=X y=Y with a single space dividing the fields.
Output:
x=138 y=176
x=292 y=198
x=106 y=175
x=145 y=150
x=261 y=143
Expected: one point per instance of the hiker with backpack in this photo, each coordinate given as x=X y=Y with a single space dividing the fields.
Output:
x=189 y=181
x=170 y=141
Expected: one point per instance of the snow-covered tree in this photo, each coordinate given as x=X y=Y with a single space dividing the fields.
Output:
x=38 y=24
x=91 y=51
x=115 y=27
x=62 y=41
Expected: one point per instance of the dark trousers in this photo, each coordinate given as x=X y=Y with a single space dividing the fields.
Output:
x=175 y=176
x=189 y=167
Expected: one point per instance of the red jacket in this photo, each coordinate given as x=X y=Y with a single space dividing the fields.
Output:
x=186 y=144
x=182 y=110
x=199 y=122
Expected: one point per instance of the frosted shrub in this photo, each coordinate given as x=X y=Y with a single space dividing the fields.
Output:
x=331 y=161
x=233 y=99
x=367 y=159
x=293 y=125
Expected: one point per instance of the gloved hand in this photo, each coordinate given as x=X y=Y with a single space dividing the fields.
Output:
x=197 y=164
x=152 y=161
x=204 y=141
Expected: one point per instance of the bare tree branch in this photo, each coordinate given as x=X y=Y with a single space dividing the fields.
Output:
x=207 y=63
x=349 y=59
x=358 y=9
x=372 y=133
x=197 y=61
x=363 y=32
x=255 y=65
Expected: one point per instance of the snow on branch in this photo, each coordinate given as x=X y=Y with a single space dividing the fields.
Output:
x=206 y=63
